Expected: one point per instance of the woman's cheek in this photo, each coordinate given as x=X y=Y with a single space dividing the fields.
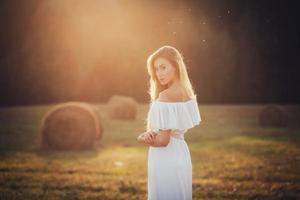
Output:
x=169 y=74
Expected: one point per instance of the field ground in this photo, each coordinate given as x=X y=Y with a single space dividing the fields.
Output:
x=233 y=158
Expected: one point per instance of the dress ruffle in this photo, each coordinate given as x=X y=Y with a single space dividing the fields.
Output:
x=174 y=115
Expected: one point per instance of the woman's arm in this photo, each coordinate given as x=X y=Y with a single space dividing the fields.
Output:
x=156 y=140
x=143 y=139
x=162 y=139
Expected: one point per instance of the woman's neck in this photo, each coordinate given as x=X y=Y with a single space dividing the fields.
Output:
x=173 y=83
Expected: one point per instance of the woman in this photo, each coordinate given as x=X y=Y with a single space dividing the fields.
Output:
x=173 y=110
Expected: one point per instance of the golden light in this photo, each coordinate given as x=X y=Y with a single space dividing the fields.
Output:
x=89 y=45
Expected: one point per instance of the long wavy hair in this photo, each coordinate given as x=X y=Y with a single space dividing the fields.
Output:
x=177 y=60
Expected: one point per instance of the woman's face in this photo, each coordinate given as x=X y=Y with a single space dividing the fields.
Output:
x=164 y=70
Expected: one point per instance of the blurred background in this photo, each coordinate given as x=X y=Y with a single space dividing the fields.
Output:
x=74 y=96
x=235 y=51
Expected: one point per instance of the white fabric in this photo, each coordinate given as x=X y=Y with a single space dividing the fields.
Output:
x=174 y=115
x=170 y=167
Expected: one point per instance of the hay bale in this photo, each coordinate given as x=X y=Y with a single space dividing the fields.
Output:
x=273 y=116
x=70 y=126
x=293 y=112
x=122 y=107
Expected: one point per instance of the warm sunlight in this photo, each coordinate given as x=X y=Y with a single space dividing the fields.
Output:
x=149 y=99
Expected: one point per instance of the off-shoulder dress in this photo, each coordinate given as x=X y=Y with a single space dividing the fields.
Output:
x=170 y=167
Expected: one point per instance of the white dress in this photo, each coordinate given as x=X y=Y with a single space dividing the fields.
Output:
x=170 y=167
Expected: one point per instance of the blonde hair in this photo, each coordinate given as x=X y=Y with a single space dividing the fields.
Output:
x=176 y=59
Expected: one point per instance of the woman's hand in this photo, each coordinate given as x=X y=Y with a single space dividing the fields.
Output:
x=147 y=137
x=154 y=139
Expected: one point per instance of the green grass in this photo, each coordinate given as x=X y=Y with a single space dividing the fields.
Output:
x=233 y=158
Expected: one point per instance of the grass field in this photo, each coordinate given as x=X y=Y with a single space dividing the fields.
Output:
x=233 y=158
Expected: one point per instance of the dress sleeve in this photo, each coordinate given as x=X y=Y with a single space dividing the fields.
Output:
x=182 y=116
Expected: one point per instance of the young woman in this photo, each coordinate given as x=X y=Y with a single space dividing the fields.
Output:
x=173 y=110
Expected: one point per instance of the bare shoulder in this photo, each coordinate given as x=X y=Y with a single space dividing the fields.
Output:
x=165 y=96
x=173 y=95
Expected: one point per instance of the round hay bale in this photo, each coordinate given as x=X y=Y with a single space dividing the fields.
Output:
x=273 y=116
x=122 y=107
x=293 y=112
x=70 y=126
